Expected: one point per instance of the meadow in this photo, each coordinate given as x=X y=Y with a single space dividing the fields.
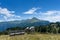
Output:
x=31 y=37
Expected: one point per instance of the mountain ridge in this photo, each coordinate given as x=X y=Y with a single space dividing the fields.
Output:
x=22 y=23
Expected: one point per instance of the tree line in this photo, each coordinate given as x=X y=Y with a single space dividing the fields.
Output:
x=50 y=28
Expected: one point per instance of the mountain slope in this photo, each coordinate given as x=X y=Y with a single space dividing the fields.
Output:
x=22 y=23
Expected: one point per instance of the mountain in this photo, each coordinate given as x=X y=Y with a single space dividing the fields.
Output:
x=34 y=22
x=22 y=23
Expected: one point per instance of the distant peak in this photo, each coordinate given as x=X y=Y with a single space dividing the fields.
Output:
x=35 y=18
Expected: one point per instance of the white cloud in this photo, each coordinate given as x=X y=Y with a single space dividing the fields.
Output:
x=5 y=17
x=52 y=16
x=31 y=11
x=54 y=12
x=8 y=15
x=6 y=12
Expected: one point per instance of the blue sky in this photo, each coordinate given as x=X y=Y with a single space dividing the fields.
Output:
x=23 y=9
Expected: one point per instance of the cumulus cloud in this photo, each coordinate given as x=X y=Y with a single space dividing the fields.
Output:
x=6 y=12
x=31 y=11
x=53 y=12
x=52 y=16
x=8 y=15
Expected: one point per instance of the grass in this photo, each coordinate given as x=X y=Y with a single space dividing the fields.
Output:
x=31 y=37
